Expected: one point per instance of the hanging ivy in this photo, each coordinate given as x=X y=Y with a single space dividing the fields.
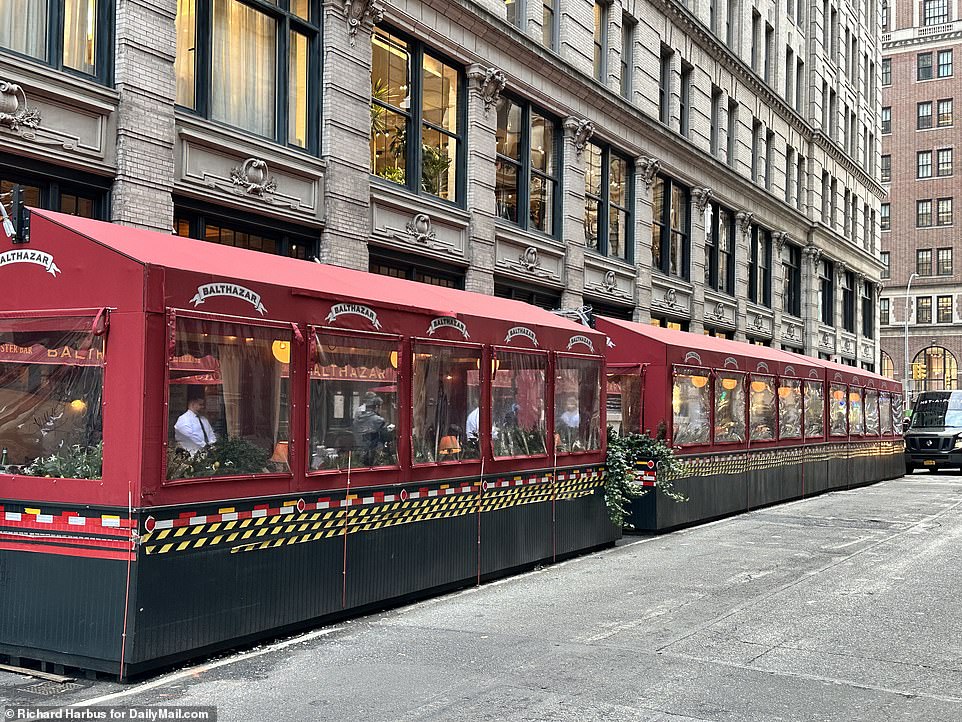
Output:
x=625 y=452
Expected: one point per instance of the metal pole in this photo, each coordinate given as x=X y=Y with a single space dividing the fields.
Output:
x=905 y=372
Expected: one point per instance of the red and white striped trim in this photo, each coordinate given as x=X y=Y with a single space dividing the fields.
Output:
x=67 y=520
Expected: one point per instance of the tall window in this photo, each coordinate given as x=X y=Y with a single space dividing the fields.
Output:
x=526 y=185
x=670 y=227
x=756 y=55
x=923 y=164
x=792 y=280
x=886 y=259
x=944 y=309
x=800 y=189
x=923 y=309
x=601 y=41
x=684 y=117
x=868 y=310
x=885 y=15
x=826 y=293
x=628 y=26
x=923 y=213
x=945 y=112
x=886 y=120
x=885 y=217
x=923 y=261
x=732 y=131
x=935 y=12
x=886 y=72
x=664 y=85
x=799 y=83
x=923 y=115
x=716 y=100
x=760 y=267
x=769 y=59
x=883 y=312
x=549 y=14
x=923 y=66
x=789 y=69
x=943 y=162
x=71 y=35
x=720 y=250
x=514 y=11
x=848 y=301
x=886 y=168
x=253 y=65
x=416 y=118
x=757 y=172
x=608 y=202
x=945 y=63
x=943 y=213
x=944 y=262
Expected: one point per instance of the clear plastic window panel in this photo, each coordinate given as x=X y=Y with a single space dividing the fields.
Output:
x=761 y=408
x=577 y=404
x=446 y=396
x=838 y=410
x=229 y=400
x=624 y=403
x=856 y=418
x=518 y=396
x=51 y=387
x=354 y=409
x=790 y=409
x=729 y=408
x=872 y=424
x=690 y=405
x=898 y=413
x=885 y=412
x=814 y=409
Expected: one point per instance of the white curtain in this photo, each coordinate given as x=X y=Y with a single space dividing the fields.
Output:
x=79 y=35
x=244 y=59
x=23 y=27
x=185 y=28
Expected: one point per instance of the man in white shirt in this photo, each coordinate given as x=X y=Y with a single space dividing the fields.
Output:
x=193 y=431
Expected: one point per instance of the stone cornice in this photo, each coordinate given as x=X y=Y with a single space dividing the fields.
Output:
x=831 y=149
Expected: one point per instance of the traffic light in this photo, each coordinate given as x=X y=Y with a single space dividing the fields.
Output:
x=918 y=370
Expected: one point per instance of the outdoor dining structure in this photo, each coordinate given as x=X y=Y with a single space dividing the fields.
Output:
x=753 y=425
x=203 y=445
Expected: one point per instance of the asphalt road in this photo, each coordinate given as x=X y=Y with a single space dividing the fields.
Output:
x=841 y=607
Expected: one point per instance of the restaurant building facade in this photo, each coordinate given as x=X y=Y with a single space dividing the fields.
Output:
x=710 y=166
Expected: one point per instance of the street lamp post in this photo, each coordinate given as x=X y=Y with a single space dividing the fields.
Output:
x=905 y=310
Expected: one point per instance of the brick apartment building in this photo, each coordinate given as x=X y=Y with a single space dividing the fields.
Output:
x=710 y=165
x=920 y=87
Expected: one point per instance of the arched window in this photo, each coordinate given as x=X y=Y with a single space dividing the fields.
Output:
x=941 y=369
x=888 y=366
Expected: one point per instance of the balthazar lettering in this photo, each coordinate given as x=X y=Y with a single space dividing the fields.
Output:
x=583 y=340
x=38 y=258
x=521 y=331
x=228 y=289
x=353 y=309
x=448 y=322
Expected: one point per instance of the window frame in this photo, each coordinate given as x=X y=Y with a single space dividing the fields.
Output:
x=944 y=303
x=665 y=229
x=760 y=266
x=826 y=292
x=886 y=119
x=923 y=66
x=944 y=114
x=884 y=311
x=285 y=236
x=715 y=252
x=944 y=212
x=286 y=23
x=923 y=304
x=792 y=281
x=944 y=62
x=943 y=263
x=886 y=259
x=923 y=164
x=944 y=162
x=605 y=204
x=923 y=213
x=923 y=262
x=923 y=121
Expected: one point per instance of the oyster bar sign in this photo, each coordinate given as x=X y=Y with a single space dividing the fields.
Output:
x=38 y=258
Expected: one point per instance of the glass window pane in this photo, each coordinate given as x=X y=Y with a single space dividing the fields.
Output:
x=898 y=412
x=301 y=8
x=617 y=179
x=509 y=129
x=506 y=190
x=542 y=204
x=885 y=412
x=617 y=233
x=390 y=70
x=690 y=399
x=388 y=144
x=185 y=27
x=761 y=408
x=790 y=409
x=243 y=60
x=80 y=35
x=353 y=403
x=872 y=412
x=518 y=394
x=446 y=412
x=814 y=409
x=624 y=403
x=23 y=27
x=591 y=223
x=542 y=144
x=297 y=94
x=593 y=156
x=229 y=398
x=577 y=404
x=838 y=410
x=51 y=385
x=729 y=408
x=439 y=156
x=855 y=411
x=440 y=94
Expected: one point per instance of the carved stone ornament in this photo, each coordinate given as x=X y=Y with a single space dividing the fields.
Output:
x=814 y=253
x=421 y=229
x=529 y=260
x=791 y=332
x=647 y=169
x=718 y=312
x=13 y=108
x=253 y=178
x=758 y=322
x=840 y=270
x=609 y=282
x=362 y=13
x=702 y=196
x=581 y=132
x=780 y=238
x=878 y=292
x=491 y=82
x=744 y=220
x=670 y=301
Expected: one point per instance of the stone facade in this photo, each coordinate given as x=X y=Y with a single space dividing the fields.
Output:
x=795 y=86
x=931 y=251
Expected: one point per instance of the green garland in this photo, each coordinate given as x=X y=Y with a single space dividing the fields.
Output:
x=69 y=462
x=621 y=485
